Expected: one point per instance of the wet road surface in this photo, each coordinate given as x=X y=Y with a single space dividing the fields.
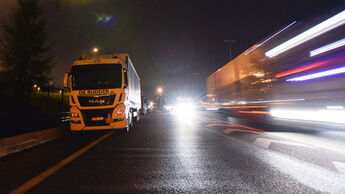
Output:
x=163 y=153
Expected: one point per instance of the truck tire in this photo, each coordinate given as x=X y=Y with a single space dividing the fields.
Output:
x=129 y=124
x=137 y=118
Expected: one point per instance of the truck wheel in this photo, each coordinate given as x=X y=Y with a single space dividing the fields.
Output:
x=137 y=118
x=132 y=120
x=129 y=124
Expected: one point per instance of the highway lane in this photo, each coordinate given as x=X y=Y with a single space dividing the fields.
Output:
x=164 y=153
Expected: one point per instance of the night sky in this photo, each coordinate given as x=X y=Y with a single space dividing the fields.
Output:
x=173 y=44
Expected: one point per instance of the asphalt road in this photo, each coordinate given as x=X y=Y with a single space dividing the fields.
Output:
x=164 y=153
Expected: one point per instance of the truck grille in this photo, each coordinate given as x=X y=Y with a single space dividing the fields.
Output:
x=88 y=114
x=96 y=101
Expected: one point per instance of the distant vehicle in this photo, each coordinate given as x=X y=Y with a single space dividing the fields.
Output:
x=144 y=106
x=152 y=106
x=105 y=93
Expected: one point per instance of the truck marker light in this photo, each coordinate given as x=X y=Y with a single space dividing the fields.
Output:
x=318 y=75
x=328 y=47
x=325 y=26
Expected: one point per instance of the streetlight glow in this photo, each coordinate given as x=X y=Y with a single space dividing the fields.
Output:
x=160 y=90
x=95 y=50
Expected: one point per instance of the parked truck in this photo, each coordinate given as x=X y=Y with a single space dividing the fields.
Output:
x=104 y=93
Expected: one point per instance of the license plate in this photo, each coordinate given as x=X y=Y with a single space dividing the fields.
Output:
x=97 y=119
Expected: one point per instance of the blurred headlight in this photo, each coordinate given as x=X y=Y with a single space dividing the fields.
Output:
x=184 y=109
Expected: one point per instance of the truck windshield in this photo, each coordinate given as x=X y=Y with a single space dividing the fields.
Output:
x=99 y=76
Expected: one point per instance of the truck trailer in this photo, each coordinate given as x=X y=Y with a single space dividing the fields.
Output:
x=104 y=93
x=303 y=81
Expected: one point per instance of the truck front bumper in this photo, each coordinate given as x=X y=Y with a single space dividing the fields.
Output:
x=80 y=126
x=85 y=120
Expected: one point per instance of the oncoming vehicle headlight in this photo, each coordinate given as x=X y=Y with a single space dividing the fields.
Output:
x=74 y=115
x=184 y=109
x=119 y=111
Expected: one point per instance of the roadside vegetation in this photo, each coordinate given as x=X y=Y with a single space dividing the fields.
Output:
x=41 y=113
x=28 y=99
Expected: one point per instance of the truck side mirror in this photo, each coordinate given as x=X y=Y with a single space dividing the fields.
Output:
x=65 y=80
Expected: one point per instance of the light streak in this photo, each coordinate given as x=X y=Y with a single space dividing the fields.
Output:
x=330 y=116
x=257 y=46
x=301 y=69
x=254 y=112
x=328 y=47
x=274 y=101
x=313 y=32
x=318 y=75
x=335 y=107
x=244 y=107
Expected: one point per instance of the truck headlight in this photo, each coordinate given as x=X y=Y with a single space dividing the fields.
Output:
x=74 y=115
x=119 y=111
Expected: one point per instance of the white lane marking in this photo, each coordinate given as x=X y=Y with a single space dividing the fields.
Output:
x=305 y=139
x=340 y=166
x=44 y=175
x=230 y=130
x=263 y=142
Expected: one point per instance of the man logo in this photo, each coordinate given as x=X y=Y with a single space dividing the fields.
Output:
x=97 y=101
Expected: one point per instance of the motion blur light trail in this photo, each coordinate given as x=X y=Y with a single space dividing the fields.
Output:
x=330 y=60
x=263 y=42
x=329 y=116
x=276 y=101
x=254 y=112
x=335 y=107
x=301 y=69
x=313 y=32
x=328 y=47
x=318 y=75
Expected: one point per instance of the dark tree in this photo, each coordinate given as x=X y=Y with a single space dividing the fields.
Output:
x=26 y=56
